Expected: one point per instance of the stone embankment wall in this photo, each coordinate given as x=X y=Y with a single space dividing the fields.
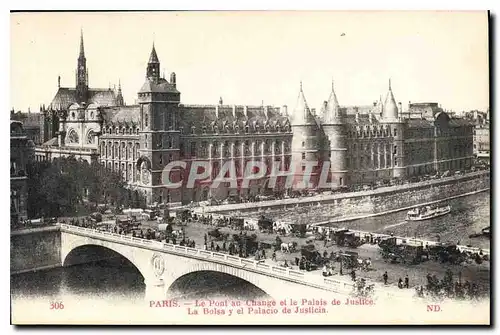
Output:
x=368 y=202
x=402 y=199
x=35 y=249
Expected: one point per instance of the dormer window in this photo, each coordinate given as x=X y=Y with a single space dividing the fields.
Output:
x=204 y=130
x=193 y=130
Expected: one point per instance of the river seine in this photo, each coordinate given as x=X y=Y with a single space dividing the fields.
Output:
x=120 y=279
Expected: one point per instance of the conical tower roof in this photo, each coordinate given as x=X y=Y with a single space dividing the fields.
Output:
x=302 y=114
x=332 y=111
x=153 y=58
x=390 y=106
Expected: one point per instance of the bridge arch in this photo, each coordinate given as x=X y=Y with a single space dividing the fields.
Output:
x=210 y=267
x=78 y=249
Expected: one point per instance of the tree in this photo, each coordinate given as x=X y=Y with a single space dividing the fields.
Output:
x=59 y=187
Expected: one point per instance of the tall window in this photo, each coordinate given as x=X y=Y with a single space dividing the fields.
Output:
x=192 y=151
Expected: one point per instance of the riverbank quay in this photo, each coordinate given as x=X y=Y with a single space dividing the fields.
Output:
x=35 y=249
x=370 y=201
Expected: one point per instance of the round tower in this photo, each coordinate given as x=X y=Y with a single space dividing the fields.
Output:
x=305 y=140
x=334 y=128
x=390 y=116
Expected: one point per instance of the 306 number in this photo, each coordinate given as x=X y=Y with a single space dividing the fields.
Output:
x=56 y=305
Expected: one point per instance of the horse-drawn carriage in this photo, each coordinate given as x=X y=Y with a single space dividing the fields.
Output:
x=446 y=253
x=400 y=253
x=347 y=238
x=216 y=235
x=312 y=257
x=288 y=247
x=246 y=242
x=349 y=259
x=265 y=224
x=299 y=229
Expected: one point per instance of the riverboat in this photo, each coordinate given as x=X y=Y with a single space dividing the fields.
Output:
x=486 y=231
x=426 y=213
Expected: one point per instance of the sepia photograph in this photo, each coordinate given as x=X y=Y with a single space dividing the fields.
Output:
x=250 y=168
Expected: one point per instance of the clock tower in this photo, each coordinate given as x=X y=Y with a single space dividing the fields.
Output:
x=82 y=84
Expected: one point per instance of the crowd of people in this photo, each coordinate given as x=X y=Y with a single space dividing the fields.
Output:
x=449 y=288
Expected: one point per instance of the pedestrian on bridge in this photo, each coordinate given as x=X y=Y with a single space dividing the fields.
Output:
x=407 y=282
x=274 y=256
x=385 y=276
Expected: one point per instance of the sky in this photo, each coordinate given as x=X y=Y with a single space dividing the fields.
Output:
x=254 y=57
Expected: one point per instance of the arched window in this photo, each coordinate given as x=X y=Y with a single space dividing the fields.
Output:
x=73 y=136
x=90 y=137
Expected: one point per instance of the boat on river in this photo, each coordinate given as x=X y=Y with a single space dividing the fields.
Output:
x=427 y=213
x=485 y=232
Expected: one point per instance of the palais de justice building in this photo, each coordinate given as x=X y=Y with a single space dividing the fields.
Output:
x=364 y=144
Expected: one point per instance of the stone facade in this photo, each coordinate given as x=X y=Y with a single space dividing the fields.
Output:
x=362 y=145
x=21 y=153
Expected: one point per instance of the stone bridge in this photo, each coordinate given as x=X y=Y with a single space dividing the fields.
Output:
x=163 y=264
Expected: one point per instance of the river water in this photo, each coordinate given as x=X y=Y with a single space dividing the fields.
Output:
x=469 y=215
x=117 y=279
x=120 y=279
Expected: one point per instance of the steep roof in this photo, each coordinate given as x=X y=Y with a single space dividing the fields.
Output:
x=153 y=58
x=390 y=106
x=332 y=110
x=53 y=142
x=66 y=96
x=162 y=86
x=123 y=114
x=302 y=114
x=226 y=119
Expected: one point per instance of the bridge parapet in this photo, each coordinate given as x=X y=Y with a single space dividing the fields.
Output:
x=297 y=276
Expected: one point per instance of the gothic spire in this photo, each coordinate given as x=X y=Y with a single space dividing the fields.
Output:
x=82 y=49
x=153 y=58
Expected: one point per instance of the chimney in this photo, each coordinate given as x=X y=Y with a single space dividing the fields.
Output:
x=266 y=111
x=173 y=79
x=357 y=117
x=284 y=110
x=245 y=111
x=234 y=111
x=58 y=81
x=217 y=111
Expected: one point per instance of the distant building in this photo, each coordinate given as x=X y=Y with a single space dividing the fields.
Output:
x=363 y=144
x=21 y=153
x=31 y=124
x=481 y=134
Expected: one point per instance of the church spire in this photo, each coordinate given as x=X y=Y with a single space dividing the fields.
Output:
x=81 y=74
x=82 y=49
